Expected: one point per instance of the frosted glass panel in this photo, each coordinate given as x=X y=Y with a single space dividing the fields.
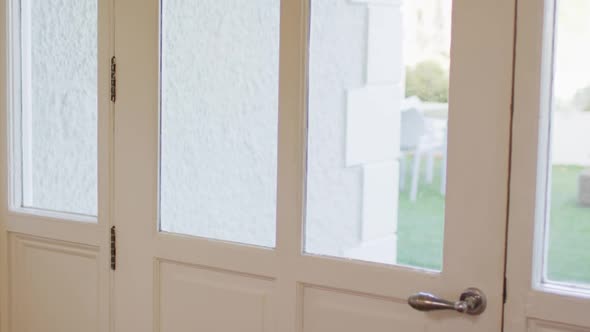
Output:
x=57 y=119
x=378 y=88
x=219 y=119
x=567 y=200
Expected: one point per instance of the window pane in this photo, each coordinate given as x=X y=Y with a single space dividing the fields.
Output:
x=568 y=194
x=378 y=87
x=219 y=119
x=57 y=117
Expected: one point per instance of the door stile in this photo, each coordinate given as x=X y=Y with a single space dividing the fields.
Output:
x=4 y=106
x=105 y=150
x=535 y=32
x=484 y=118
x=136 y=174
x=291 y=178
x=58 y=227
x=534 y=301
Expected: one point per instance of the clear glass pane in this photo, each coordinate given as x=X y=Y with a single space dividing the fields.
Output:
x=57 y=120
x=378 y=87
x=568 y=194
x=219 y=119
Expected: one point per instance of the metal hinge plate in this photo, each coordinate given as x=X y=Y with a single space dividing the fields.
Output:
x=113 y=249
x=113 y=79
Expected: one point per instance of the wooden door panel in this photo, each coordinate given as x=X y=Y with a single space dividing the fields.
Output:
x=537 y=325
x=55 y=285
x=333 y=310
x=54 y=231
x=189 y=296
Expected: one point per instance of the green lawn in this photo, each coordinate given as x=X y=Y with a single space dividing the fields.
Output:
x=420 y=228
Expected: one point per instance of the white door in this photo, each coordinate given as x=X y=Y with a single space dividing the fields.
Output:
x=56 y=127
x=548 y=262
x=258 y=155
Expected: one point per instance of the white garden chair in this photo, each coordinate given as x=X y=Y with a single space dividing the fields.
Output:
x=423 y=138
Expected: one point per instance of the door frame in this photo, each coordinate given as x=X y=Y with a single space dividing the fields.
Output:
x=530 y=303
x=481 y=26
x=59 y=230
x=292 y=141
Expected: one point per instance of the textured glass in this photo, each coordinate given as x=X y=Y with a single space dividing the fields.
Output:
x=58 y=113
x=378 y=87
x=219 y=119
x=568 y=192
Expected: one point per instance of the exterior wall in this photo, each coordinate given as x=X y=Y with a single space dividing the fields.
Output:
x=219 y=125
x=355 y=91
x=219 y=119
x=337 y=63
x=60 y=105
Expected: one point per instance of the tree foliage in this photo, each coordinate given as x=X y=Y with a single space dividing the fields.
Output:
x=429 y=81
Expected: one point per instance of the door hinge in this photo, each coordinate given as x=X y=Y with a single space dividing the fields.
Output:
x=113 y=249
x=113 y=79
x=504 y=291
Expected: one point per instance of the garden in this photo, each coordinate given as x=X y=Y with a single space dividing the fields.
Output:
x=420 y=222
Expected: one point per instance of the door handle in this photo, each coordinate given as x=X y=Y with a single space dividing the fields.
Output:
x=472 y=302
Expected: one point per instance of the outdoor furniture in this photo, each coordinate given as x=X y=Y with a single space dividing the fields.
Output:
x=424 y=138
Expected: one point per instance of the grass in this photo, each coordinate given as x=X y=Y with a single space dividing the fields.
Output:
x=421 y=225
x=569 y=236
x=420 y=228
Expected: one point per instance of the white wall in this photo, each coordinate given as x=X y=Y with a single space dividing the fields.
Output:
x=355 y=90
x=62 y=96
x=337 y=63
x=219 y=120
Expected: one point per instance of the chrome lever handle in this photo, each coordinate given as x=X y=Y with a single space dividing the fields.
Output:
x=471 y=302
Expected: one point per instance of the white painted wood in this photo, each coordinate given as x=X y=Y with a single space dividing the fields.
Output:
x=26 y=117
x=54 y=286
x=5 y=183
x=531 y=305
x=329 y=310
x=311 y=293
x=54 y=267
x=535 y=325
x=191 y=296
x=292 y=292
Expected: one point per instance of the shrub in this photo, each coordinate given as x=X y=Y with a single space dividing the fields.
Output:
x=428 y=81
